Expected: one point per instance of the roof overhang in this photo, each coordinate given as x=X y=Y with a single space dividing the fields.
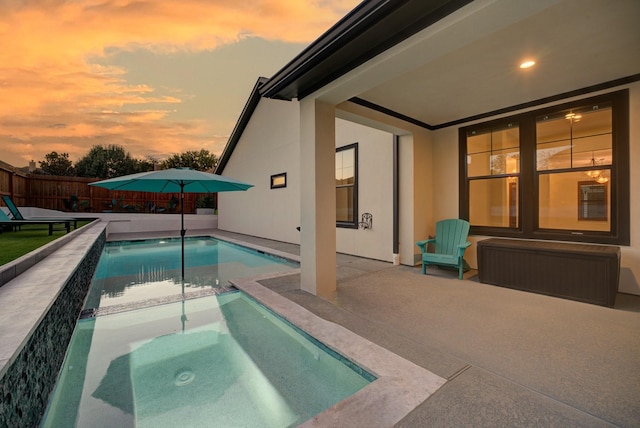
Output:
x=368 y=30
x=438 y=63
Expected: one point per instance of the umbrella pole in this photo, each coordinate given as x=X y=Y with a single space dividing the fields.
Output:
x=183 y=318
x=182 y=231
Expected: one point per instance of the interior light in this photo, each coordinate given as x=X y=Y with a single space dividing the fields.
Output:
x=601 y=176
x=573 y=117
x=528 y=64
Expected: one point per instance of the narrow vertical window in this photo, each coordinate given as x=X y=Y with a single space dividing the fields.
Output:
x=347 y=186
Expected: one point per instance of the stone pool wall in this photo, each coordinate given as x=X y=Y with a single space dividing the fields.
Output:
x=28 y=381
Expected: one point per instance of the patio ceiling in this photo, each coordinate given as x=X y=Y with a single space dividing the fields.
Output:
x=467 y=63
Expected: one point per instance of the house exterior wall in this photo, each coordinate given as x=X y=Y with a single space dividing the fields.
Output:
x=445 y=172
x=428 y=182
x=416 y=185
x=424 y=190
x=445 y=143
x=407 y=200
x=630 y=271
x=375 y=191
x=269 y=145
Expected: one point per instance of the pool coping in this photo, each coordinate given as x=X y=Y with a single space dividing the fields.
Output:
x=15 y=268
x=260 y=248
x=28 y=296
x=400 y=387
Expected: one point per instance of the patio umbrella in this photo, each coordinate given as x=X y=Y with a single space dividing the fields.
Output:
x=174 y=180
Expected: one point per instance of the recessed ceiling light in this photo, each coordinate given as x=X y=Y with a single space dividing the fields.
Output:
x=528 y=64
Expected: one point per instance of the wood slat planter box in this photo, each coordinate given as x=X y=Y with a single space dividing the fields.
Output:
x=587 y=273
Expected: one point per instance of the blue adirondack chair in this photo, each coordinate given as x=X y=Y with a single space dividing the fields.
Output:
x=450 y=243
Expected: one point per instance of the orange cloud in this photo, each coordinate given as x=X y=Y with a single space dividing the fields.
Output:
x=57 y=97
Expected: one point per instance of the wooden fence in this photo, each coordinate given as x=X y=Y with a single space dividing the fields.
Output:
x=75 y=194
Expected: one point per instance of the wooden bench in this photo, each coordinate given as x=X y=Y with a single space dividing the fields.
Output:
x=583 y=272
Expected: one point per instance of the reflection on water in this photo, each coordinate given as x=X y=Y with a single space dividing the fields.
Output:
x=139 y=270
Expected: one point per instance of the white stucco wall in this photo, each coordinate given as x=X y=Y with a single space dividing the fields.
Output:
x=375 y=191
x=425 y=191
x=407 y=240
x=416 y=172
x=445 y=174
x=268 y=146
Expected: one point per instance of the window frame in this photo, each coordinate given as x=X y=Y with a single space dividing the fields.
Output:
x=490 y=128
x=351 y=224
x=528 y=206
x=274 y=180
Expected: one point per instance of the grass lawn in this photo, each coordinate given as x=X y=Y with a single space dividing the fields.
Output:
x=30 y=237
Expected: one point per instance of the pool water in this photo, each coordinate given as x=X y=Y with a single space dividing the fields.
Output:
x=131 y=271
x=221 y=360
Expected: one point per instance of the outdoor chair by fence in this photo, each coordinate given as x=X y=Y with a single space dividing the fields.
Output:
x=15 y=224
x=17 y=215
x=450 y=243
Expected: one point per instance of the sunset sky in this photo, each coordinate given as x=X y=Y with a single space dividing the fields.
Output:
x=155 y=76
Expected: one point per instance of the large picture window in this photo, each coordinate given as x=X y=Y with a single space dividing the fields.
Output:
x=347 y=186
x=557 y=173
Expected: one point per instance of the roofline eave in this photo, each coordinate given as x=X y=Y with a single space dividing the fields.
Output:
x=249 y=107
x=368 y=30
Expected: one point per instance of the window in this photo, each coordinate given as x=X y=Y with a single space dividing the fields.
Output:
x=493 y=166
x=571 y=146
x=279 y=181
x=347 y=186
x=592 y=201
x=519 y=175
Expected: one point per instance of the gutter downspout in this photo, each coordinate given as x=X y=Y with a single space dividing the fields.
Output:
x=396 y=201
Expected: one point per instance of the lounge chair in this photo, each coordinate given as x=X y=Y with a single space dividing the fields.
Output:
x=17 y=215
x=450 y=243
x=15 y=224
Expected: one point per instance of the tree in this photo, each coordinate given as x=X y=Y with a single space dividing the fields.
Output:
x=201 y=160
x=143 y=165
x=108 y=162
x=55 y=163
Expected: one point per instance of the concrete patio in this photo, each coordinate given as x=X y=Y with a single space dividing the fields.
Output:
x=510 y=358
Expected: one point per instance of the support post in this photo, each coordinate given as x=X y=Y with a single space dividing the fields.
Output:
x=318 y=198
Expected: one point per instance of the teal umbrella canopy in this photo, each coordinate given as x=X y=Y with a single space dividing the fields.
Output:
x=174 y=180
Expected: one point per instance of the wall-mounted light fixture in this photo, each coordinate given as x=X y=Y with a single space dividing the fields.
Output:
x=367 y=221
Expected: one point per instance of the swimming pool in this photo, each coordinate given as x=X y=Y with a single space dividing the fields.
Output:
x=219 y=360
x=131 y=271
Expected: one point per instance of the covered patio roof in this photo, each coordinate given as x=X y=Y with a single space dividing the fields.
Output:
x=439 y=63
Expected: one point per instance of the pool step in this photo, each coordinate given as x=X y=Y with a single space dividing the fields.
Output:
x=125 y=307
